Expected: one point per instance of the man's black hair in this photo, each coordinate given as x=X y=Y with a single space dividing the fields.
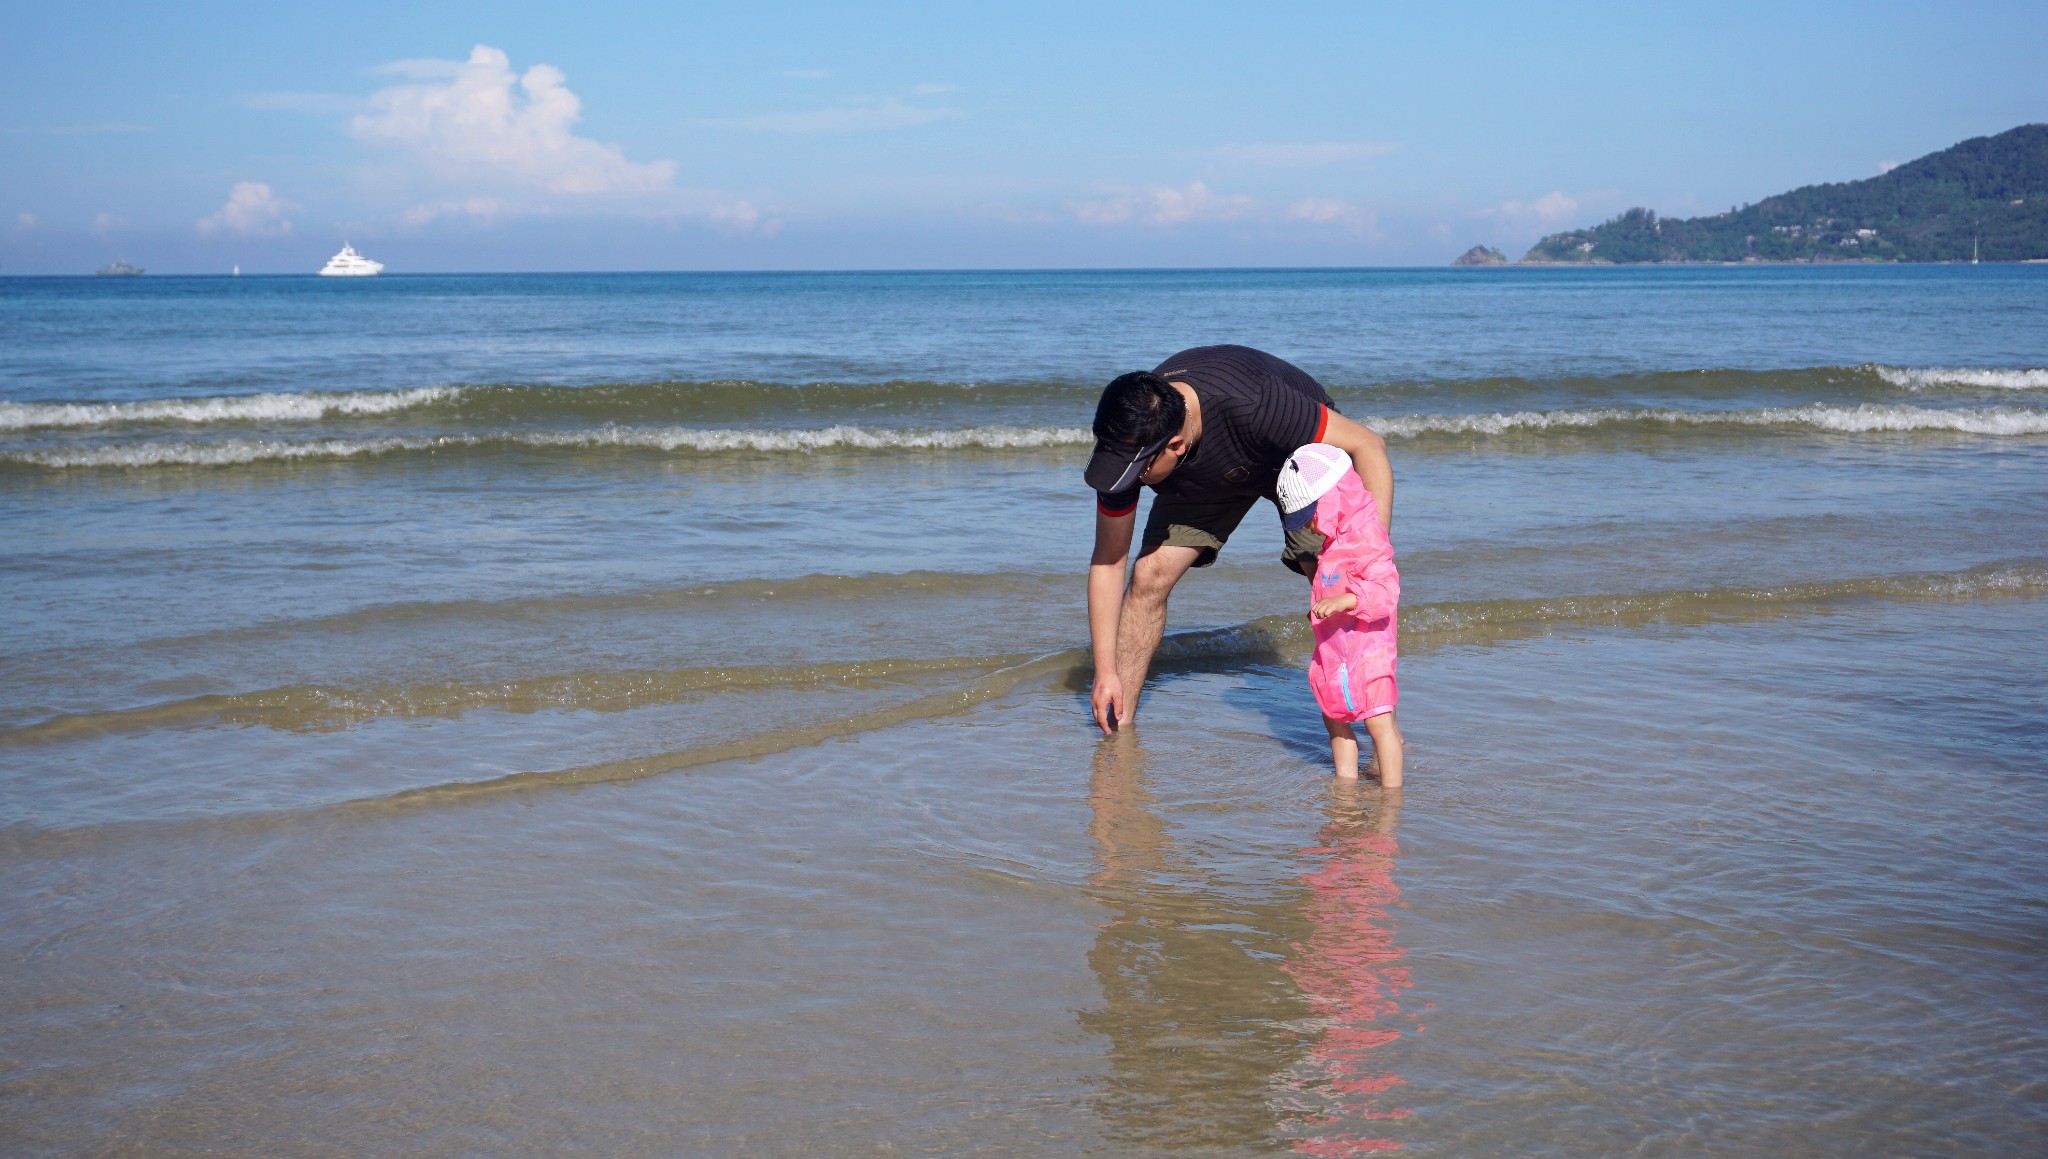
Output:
x=1139 y=407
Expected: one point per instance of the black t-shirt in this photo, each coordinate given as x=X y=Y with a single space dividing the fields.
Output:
x=1256 y=409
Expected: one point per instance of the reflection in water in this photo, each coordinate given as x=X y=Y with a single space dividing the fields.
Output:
x=1200 y=1015
x=1218 y=992
x=1350 y=971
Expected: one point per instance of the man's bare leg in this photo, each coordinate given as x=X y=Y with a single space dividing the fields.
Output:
x=1143 y=618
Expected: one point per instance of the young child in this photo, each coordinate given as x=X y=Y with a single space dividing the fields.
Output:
x=1355 y=592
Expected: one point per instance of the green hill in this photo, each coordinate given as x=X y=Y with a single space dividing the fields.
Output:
x=1991 y=190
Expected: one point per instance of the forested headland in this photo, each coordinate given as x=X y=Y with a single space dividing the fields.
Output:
x=1986 y=197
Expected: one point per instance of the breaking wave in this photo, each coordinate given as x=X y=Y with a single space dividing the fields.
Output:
x=232 y=452
x=644 y=403
x=1999 y=421
x=739 y=402
x=23 y=416
x=1865 y=419
x=60 y=452
x=1989 y=377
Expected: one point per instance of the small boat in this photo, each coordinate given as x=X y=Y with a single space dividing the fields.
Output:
x=350 y=264
x=119 y=270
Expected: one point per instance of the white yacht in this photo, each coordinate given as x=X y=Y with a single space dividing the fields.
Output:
x=350 y=264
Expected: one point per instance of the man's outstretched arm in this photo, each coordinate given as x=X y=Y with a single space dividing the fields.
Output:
x=1105 y=607
x=1368 y=453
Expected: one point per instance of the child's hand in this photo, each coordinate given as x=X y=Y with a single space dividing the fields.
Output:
x=1330 y=605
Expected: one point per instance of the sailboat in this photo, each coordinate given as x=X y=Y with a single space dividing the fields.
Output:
x=350 y=264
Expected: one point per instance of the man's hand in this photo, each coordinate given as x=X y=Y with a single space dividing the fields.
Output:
x=1329 y=606
x=1106 y=697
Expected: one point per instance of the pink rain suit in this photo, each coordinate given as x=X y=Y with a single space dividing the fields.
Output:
x=1352 y=671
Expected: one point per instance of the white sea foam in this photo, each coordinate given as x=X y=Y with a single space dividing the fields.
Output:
x=2001 y=421
x=18 y=416
x=227 y=452
x=1996 y=420
x=1851 y=420
x=313 y=405
x=1936 y=376
x=826 y=438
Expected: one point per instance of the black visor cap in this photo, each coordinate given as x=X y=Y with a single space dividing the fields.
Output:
x=1115 y=467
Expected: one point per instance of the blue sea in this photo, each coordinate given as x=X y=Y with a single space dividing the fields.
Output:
x=646 y=714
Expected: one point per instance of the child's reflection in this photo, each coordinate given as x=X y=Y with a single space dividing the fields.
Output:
x=1350 y=971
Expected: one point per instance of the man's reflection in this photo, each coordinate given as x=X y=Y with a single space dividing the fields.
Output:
x=1199 y=1011
x=1238 y=1012
x=1351 y=973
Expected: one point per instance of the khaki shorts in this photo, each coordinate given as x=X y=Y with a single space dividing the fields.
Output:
x=1206 y=524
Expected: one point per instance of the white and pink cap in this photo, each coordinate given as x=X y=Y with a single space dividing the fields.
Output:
x=1308 y=475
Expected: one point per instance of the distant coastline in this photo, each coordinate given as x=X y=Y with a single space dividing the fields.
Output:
x=1539 y=263
x=1982 y=200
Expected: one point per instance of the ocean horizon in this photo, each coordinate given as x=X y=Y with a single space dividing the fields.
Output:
x=1104 y=269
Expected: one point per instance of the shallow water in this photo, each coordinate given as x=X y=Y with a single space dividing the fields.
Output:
x=644 y=715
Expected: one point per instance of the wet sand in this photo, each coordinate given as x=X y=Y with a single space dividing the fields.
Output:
x=1603 y=918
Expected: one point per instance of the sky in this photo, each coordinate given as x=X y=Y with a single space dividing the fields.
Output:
x=505 y=136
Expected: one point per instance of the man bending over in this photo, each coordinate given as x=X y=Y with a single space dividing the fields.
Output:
x=1208 y=431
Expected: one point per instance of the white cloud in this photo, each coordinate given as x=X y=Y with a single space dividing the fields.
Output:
x=932 y=90
x=462 y=122
x=1164 y=205
x=24 y=220
x=1552 y=208
x=252 y=210
x=1330 y=211
x=104 y=223
x=864 y=117
x=1886 y=166
x=1301 y=154
x=477 y=142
